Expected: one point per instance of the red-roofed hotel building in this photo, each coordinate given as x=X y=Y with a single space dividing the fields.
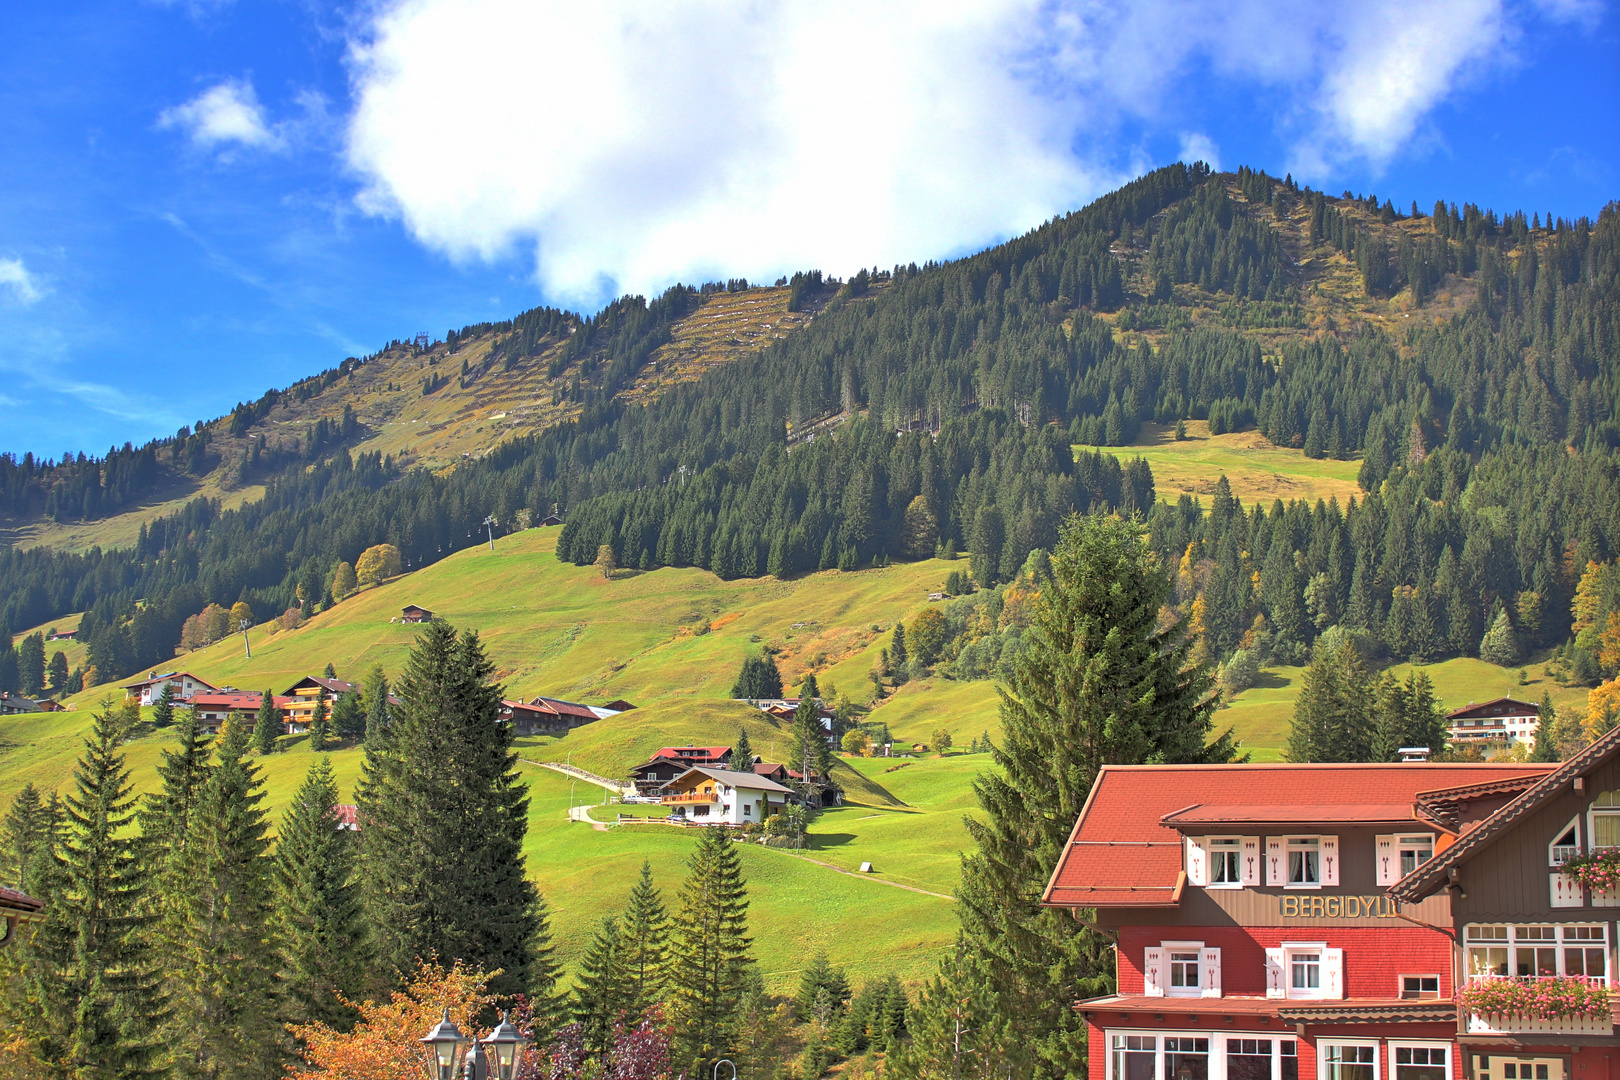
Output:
x=1257 y=938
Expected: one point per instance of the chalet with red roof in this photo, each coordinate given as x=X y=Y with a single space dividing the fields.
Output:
x=672 y=761
x=212 y=709
x=1260 y=934
x=186 y=685
x=550 y=716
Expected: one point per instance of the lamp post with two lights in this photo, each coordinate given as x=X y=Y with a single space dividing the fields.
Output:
x=495 y=1057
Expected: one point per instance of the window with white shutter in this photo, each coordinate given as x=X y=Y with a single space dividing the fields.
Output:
x=1333 y=973
x=1275 y=973
x=1251 y=861
x=1276 y=861
x=1153 y=972
x=1330 y=861
x=1387 y=864
x=1197 y=862
x=1209 y=969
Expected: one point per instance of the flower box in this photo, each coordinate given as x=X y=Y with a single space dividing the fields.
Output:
x=1597 y=870
x=1556 y=996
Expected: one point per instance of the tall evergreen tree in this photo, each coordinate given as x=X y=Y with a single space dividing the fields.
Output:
x=226 y=1016
x=957 y=1031
x=167 y=814
x=1546 y=747
x=1334 y=714
x=811 y=752
x=602 y=987
x=741 y=758
x=349 y=717
x=759 y=678
x=376 y=700
x=897 y=652
x=324 y=944
x=1098 y=681
x=710 y=953
x=267 y=724
x=645 y=935
x=163 y=711
x=92 y=1000
x=445 y=815
x=24 y=834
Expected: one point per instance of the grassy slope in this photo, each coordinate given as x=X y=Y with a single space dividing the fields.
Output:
x=1256 y=469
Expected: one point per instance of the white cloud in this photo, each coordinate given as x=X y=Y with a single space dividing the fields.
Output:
x=228 y=113
x=634 y=144
x=15 y=277
x=1196 y=146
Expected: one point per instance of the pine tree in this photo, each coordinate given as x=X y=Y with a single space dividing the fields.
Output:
x=31 y=663
x=266 y=725
x=710 y=953
x=24 y=834
x=318 y=721
x=1333 y=716
x=92 y=999
x=957 y=1031
x=348 y=717
x=58 y=671
x=441 y=854
x=819 y=979
x=646 y=944
x=1500 y=645
x=741 y=758
x=1098 y=681
x=163 y=711
x=324 y=943
x=226 y=1022
x=376 y=705
x=897 y=652
x=601 y=990
x=811 y=754
x=758 y=679
x=166 y=815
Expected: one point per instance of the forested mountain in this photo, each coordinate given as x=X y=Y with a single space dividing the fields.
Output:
x=1468 y=359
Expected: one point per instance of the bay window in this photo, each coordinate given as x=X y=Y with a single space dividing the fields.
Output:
x=1538 y=951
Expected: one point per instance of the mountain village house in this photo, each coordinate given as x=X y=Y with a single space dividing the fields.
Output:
x=1295 y=922
x=301 y=696
x=551 y=716
x=1505 y=720
x=651 y=777
x=707 y=796
x=414 y=614
x=212 y=709
x=186 y=685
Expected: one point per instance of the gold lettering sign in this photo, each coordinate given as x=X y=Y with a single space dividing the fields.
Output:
x=1338 y=907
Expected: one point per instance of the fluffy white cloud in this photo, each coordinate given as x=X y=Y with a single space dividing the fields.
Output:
x=14 y=276
x=633 y=144
x=228 y=113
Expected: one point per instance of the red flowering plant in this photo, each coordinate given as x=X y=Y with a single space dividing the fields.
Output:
x=1597 y=870
x=1556 y=996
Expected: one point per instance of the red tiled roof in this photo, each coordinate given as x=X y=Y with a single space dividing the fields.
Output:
x=1363 y=813
x=1121 y=852
x=13 y=901
x=348 y=815
x=1496 y=707
x=165 y=678
x=245 y=699
x=693 y=752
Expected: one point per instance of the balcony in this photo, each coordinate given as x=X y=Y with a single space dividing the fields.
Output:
x=689 y=797
x=1544 y=1005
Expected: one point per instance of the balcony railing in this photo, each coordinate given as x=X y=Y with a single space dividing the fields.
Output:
x=689 y=797
x=1538 y=1005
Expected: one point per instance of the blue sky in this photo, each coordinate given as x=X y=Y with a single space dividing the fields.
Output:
x=202 y=200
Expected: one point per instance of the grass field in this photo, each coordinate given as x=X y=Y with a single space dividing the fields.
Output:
x=1255 y=468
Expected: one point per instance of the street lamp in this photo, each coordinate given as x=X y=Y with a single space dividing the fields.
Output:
x=503 y=1045
x=445 y=1045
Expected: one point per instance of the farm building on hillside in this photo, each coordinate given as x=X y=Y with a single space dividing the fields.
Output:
x=186 y=686
x=12 y=704
x=550 y=716
x=783 y=709
x=62 y=635
x=550 y=519
x=300 y=709
x=212 y=709
x=411 y=613
x=721 y=797
x=671 y=761
x=1505 y=720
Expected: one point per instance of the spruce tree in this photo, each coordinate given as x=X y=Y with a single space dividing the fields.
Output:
x=376 y=704
x=24 y=834
x=1546 y=747
x=601 y=990
x=1334 y=714
x=897 y=651
x=645 y=940
x=166 y=815
x=93 y=996
x=710 y=953
x=957 y=1030
x=318 y=726
x=811 y=754
x=349 y=717
x=226 y=1021
x=1098 y=681
x=322 y=930
x=163 y=711
x=266 y=725
x=446 y=812
x=1500 y=645
x=741 y=758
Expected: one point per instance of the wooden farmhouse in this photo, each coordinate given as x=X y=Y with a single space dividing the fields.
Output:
x=1505 y=720
x=551 y=716
x=185 y=684
x=414 y=614
x=13 y=704
x=707 y=796
x=651 y=776
x=301 y=696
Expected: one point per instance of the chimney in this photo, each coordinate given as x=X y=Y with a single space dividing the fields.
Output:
x=1417 y=754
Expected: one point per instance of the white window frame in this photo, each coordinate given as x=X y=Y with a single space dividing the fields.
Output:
x=1217 y=1048
x=1405 y=842
x=1227 y=846
x=1400 y=988
x=1557 y=853
x=1330 y=971
x=1418 y=1044
x=1593 y=812
x=1322 y=1063
x=1279 y=848
x=1207 y=964
x=1515 y=939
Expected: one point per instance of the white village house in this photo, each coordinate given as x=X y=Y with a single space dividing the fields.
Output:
x=721 y=797
x=186 y=686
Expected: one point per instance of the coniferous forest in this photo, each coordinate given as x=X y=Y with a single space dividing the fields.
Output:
x=934 y=409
